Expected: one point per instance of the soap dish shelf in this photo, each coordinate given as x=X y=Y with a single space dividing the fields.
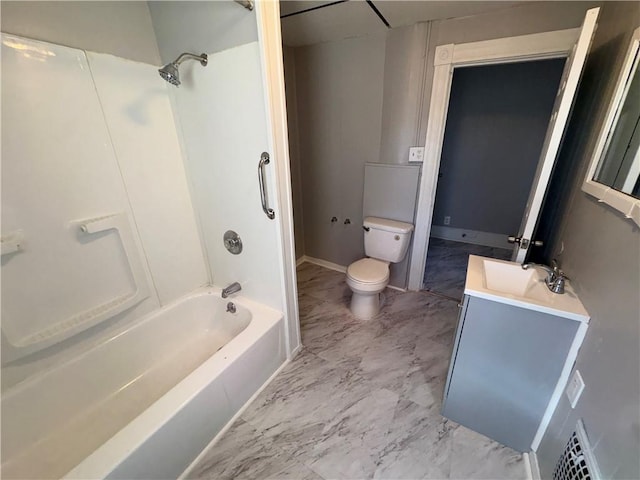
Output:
x=88 y=318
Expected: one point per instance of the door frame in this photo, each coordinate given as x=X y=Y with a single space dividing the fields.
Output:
x=270 y=40
x=537 y=46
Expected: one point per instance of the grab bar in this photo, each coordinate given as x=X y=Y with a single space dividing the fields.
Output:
x=264 y=160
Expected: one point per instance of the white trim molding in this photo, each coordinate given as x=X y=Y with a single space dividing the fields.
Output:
x=556 y=44
x=270 y=40
x=626 y=204
x=337 y=268
x=531 y=465
x=324 y=263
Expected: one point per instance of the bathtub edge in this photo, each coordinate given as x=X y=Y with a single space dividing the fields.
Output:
x=230 y=423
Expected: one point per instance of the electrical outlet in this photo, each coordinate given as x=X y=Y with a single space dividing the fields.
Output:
x=416 y=154
x=447 y=220
x=574 y=388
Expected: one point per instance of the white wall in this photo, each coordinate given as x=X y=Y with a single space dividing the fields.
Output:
x=120 y=28
x=82 y=139
x=137 y=110
x=201 y=26
x=221 y=112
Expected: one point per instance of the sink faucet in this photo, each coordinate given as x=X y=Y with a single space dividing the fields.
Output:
x=233 y=288
x=555 y=277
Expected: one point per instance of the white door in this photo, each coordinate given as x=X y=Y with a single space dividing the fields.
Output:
x=555 y=132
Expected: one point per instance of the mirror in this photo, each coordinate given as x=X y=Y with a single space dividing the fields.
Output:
x=614 y=174
x=619 y=167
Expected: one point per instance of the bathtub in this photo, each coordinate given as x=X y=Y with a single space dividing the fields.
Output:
x=147 y=401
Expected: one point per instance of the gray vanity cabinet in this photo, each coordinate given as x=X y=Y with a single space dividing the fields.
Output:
x=505 y=365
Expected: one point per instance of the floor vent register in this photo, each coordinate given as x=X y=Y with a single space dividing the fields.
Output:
x=577 y=461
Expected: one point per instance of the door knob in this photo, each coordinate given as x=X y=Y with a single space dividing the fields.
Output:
x=524 y=242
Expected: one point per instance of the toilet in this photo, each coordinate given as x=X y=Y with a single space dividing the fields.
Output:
x=385 y=241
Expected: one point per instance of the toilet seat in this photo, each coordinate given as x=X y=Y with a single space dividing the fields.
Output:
x=368 y=271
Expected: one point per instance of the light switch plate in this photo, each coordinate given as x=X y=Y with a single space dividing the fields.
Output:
x=416 y=154
x=574 y=388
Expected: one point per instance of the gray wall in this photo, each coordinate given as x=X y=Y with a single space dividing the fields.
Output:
x=496 y=123
x=602 y=256
x=367 y=99
x=120 y=28
x=294 y=147
x=339 y=95
x=201 y=27
x=404 y=90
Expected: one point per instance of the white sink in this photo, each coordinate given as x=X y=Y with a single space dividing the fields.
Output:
x=509 y=277
x=507 y=282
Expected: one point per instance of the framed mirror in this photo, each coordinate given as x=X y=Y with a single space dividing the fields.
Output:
x=614 y=173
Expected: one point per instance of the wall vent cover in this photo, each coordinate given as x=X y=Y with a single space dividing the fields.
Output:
x=576 y=461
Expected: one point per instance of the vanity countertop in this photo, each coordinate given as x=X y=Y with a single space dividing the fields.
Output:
x=506 y=282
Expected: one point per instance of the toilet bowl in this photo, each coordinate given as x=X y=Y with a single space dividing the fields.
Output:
x=385 y=241
x=367 y=278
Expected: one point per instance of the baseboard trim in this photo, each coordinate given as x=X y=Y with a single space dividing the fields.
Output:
x=324 y=263
x=531 y=466
x=295 y=352
x=337 y=268
x=400 y=289
x=475 y=237
x=300 y=261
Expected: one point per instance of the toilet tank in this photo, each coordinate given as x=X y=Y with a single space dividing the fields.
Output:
x=386 y=239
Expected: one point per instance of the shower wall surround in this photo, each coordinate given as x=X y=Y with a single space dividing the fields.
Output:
x=96 y=138
x=222 y=118
x=223 y=123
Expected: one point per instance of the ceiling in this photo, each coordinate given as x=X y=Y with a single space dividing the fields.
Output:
x=308 y=22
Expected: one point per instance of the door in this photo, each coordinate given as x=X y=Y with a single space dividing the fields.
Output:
x=555 y=132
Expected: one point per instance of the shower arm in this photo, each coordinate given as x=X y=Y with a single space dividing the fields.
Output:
x=201 y=58
x=248 y=4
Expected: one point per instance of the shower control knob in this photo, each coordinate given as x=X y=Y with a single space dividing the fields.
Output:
x=232 y=242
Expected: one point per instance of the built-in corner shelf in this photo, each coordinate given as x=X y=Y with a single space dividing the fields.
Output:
x=19 y=335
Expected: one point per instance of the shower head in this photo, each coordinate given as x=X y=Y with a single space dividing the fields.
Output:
x=170 y=71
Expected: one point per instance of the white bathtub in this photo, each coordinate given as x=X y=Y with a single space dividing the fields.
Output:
x=144 y=403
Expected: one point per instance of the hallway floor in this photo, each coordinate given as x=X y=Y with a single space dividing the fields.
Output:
x=446 y=268
x=362 y=400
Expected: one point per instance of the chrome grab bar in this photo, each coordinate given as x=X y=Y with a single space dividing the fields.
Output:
x=264 y=160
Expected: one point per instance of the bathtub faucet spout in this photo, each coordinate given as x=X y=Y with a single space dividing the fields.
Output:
x=233 y=288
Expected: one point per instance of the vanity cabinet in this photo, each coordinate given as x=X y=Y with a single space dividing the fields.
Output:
x=508 y=367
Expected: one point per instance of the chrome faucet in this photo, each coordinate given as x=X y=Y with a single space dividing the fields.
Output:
x=555 y=277
x=233 y=288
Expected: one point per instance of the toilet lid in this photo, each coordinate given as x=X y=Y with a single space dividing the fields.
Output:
x=369 y=270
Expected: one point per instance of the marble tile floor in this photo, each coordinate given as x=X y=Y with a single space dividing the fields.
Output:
x=446 y=267
x=361 y=400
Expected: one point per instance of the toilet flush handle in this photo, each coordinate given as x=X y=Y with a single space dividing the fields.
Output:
x=366 y=229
